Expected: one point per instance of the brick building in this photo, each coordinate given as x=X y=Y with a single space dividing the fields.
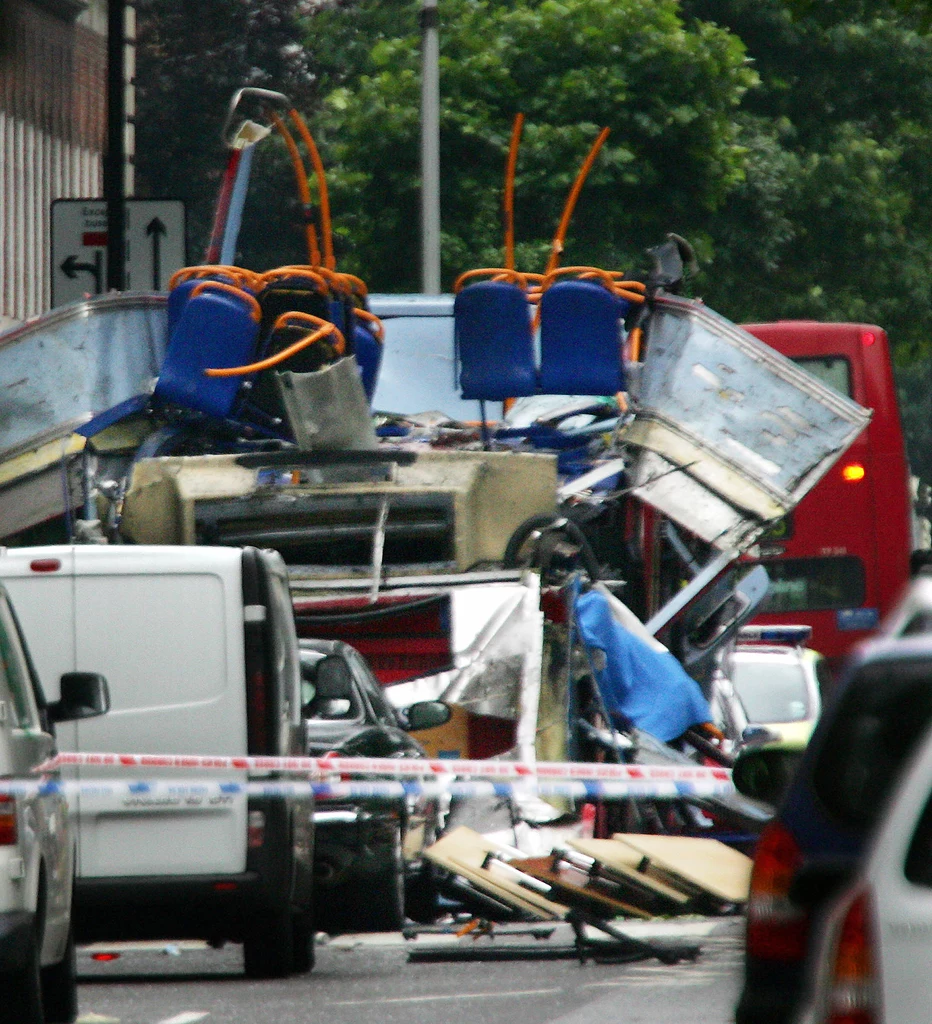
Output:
x=53 y=67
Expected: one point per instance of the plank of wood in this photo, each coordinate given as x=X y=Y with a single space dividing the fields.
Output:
x=577 y=889
x=705 y=864
x=464 y=852
x=622 y=862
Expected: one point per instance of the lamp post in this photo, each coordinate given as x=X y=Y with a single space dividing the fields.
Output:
x=430 y=149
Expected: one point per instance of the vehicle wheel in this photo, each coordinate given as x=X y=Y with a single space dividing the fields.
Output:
x=421 y=902
x=382 y=909
x=60 y=987
x=268 y=945
x=21 y=990
x=525 y=547
x=302 y=939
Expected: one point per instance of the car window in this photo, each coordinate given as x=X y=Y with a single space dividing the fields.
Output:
x=773 y=690
x=384 y=712
x=878 y=720
x=814 y=584
x=14 y=667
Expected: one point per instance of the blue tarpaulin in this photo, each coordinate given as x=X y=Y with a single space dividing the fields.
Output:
x=640 y=686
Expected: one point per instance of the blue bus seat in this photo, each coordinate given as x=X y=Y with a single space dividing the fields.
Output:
x=184 y=281
x=368 y=350
x=218 y=327
x=494 y=342
x=580 y=340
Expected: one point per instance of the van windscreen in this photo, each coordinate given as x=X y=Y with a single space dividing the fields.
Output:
x=882 y=714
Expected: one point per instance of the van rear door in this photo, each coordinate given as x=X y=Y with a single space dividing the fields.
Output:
x=166 y=629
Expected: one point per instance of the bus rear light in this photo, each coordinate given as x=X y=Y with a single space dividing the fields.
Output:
x=777 y=928
x=7 y=820
x=868 y=338
x=853 y=472
x=852 y=994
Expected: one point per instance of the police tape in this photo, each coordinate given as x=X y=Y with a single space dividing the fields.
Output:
x=575 y=771
x=160 y=793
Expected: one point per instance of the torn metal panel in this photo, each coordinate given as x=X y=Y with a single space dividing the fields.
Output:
x=497 y=641
x=729 y=435
x=77 y=360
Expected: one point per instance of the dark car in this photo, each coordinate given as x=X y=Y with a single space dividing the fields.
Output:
x=832 y=802
x=367 y=854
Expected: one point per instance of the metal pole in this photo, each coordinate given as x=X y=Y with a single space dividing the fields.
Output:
x=115 y=159
x=430 y=149
x=713 y=568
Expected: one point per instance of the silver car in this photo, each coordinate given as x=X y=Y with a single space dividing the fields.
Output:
x=37 y=852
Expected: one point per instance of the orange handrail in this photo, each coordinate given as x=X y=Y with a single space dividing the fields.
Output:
x=498 y=274
x=254 y=311
x=272 y=277
x=248 y=277
x=371 y=318
x=509 y=197
x=556 y=247
x=614 y=280
x=304 y=191
x=324 y=328
x=326 y=229
x=356 y=284
x=635 y=340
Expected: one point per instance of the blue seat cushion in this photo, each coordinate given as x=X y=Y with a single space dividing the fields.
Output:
x=580 y=349
x=215 y=330
x=494 y=342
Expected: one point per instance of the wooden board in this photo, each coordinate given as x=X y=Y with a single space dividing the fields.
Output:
x=704 y=864
x=622 y=862
x=464 y=852
x=577 y=889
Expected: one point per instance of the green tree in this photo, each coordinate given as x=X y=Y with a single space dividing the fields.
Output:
x=192 y=57
x=832 y=219
x=668 y=92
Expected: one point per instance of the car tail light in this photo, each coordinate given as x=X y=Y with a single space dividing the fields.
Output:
x=255 y=829
x=7 y=820
x=777 y=928
x=852 y=991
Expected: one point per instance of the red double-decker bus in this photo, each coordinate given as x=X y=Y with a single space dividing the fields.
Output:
x=840 y=560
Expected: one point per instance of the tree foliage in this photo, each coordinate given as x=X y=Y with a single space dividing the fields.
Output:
x=192 y=57
x=668 y=93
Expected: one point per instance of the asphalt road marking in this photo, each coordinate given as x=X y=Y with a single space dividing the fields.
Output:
x=452 y=995
x=186 y=1017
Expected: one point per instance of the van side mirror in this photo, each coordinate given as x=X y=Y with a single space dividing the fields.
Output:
x=83 y=695
x=427 y=714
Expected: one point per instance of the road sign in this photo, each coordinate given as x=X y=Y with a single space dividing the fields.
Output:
x=155 y=246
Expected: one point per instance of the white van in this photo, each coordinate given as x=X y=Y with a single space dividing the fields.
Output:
x=199 y=649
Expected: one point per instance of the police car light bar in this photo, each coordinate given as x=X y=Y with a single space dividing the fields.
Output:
x=795 y=635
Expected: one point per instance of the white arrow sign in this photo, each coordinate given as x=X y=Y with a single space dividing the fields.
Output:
x=154 y=245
